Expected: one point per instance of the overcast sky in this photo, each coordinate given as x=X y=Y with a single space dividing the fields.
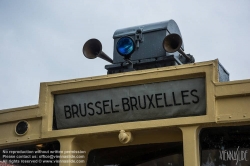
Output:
x=41 y=41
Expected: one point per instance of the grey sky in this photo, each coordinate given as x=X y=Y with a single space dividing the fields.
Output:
x=41 y=41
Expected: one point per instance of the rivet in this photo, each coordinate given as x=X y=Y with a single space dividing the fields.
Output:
x=218 y=118
x=244 y=116
x=125 y=137
x=230 y=116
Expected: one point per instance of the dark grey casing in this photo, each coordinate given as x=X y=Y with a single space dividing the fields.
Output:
x=153 y=36
x=150 y=47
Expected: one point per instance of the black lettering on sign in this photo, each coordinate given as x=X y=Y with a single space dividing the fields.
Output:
x=99 y=107
x=175 y=99
x=144 y=102
x=67 y=112
x=74 y=109
x=133 y=103
x=112 y=107
x=157 y=99
x=85 y=110
x=80 y=108
x=165 y=101
x=91 y=108
x=197 y=98
x=105 y=104
x=150 y=101
x=183 y=95
x=125 y=102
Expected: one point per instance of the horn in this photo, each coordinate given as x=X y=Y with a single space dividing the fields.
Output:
x=172 y=43
x=93 y=48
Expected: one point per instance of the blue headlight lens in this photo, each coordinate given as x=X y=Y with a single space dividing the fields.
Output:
x=125 y=46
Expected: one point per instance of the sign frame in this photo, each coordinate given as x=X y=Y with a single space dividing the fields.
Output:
x=208 y=70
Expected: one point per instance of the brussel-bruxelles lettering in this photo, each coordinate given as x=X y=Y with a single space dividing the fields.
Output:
x=132 y=103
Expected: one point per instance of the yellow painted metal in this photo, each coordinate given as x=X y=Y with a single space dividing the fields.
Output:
x=191 y=145
x=227 y=104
